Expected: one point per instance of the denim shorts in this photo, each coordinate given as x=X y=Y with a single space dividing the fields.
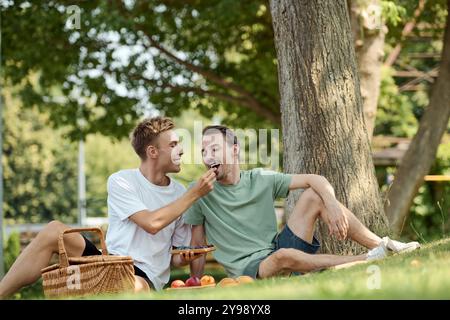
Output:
x=284 y=239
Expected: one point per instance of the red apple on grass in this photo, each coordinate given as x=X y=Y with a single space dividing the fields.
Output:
x=193 y=282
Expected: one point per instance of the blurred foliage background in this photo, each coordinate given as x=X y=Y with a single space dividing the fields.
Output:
x=60 y=85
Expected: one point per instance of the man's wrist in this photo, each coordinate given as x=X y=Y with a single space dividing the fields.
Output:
x=331 y=203
x=192 y=195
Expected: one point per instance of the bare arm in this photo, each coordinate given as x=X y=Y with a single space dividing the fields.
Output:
x=184 y=257
x=154 y=221
x=198 y=239
x=335 y=218
x=318 y=183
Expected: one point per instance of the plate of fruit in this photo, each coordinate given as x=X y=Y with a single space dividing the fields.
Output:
x=194 y=249
x=206 y=281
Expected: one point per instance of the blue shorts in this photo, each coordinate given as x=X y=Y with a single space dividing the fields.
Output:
x=285 y=239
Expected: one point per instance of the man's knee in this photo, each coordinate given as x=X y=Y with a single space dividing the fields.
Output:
x=52 y=231
x=55 y=226
x=140 y=285
x=309 y=205
x=311 y=196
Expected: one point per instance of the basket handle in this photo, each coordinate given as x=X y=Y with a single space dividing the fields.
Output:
x=63 y=260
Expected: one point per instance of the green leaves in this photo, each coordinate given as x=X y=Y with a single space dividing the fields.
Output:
x=395 y=111
x=40 y=181
x=215 y=56
x=129 y=59
x=392 y=12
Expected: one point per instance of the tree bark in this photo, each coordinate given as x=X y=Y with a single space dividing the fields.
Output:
x=422 y=151
x=321 y=108
x=368 y=32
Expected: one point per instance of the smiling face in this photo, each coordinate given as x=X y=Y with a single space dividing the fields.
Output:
x=167 y=151
x=219 y=154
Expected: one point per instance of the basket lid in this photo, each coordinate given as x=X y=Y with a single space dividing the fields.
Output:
x=90 y=259
x=98 y=258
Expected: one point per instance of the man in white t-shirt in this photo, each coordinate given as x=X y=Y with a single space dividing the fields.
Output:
x=130 y=192
x=145 y=210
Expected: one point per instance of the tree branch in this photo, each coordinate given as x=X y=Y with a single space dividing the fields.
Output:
x=426 y=76
x=246 y=98
x=199 y=91
x=409 y=26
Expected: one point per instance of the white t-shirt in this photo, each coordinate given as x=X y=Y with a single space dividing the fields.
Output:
x=129 y=192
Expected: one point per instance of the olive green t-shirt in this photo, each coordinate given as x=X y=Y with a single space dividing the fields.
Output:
x=240 y=219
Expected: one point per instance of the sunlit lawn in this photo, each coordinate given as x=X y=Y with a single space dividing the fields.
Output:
x=423 y=274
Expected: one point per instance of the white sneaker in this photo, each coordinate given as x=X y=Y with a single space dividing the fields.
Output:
x=400 y=247
x=377 y=253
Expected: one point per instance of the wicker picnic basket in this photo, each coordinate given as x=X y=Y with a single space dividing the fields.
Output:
x=89 y=275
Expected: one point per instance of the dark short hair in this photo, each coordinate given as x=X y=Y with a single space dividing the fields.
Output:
x=229 y=135
x=146 y=133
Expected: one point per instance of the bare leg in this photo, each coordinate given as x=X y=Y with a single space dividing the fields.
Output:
x=140 y=285
x=359 y=232
x=293 y=260
x=27 y=268
x=310 y=207
x=302 y=222
x=36 y=256
x=303 y=218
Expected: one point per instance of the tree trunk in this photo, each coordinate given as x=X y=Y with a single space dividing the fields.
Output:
x=321 y=107
x=368 y=32
x=422 y=151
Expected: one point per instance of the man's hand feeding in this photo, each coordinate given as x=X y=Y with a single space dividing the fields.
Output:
x=205 y=184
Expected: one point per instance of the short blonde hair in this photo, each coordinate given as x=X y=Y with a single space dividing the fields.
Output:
x=147 y=132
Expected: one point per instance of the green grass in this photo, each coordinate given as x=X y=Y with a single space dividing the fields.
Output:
x=423 y=274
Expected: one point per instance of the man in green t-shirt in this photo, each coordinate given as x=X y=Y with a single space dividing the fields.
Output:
x=238 y=217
